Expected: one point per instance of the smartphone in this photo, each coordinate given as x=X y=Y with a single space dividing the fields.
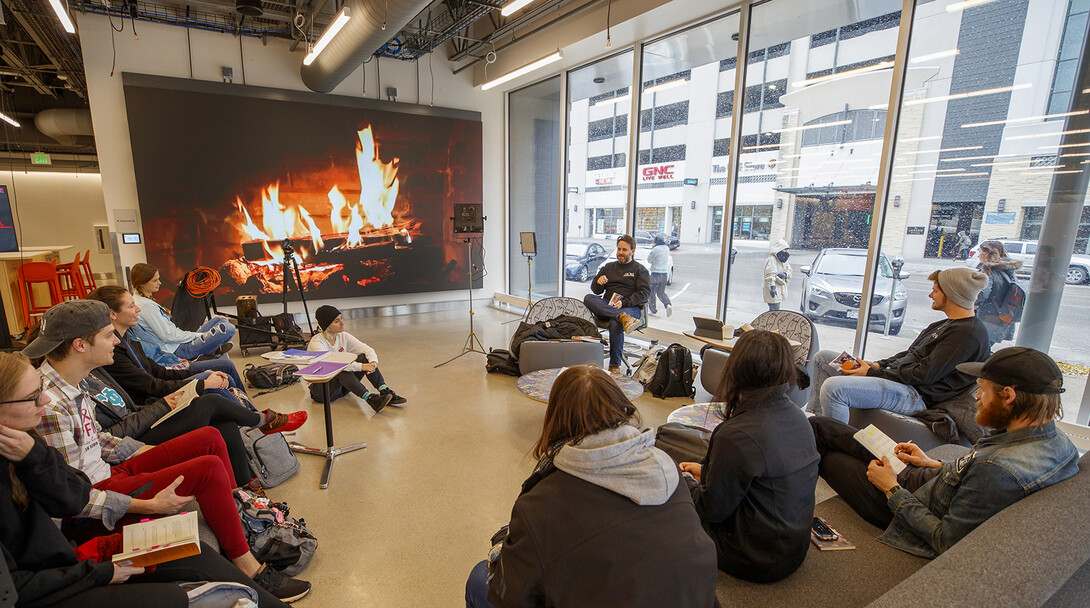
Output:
x=822 y=530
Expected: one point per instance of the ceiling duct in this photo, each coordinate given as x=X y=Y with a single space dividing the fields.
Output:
x=358 y=40
x=64 y=125
x=249 y=8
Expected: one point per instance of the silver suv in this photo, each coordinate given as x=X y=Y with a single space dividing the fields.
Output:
x=1078 y=270
x=833 y=289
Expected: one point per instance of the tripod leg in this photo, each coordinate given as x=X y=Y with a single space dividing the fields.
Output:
x=302 y=294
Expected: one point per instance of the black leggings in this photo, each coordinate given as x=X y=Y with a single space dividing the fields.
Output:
x=220 y=413
x=159 y=588
x=347 y=382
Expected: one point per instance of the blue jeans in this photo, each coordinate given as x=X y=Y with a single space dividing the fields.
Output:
x=215 y=391
x=477 y=587
x=219 y=365
x=600 y=308
x=214 y=333
x=832 y=394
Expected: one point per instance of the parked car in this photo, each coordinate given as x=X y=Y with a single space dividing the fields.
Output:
x=581 y=260
x=833 y=288
x=1078 y=269
x=647 y=238
x=641 y=257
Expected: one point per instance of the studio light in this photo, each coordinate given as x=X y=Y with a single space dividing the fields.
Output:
x=526 y=69
x=514 y=6
x=331 y=31
x=62 y=14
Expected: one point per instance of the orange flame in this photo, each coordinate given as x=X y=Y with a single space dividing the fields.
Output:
x=378 y=181
x=249 y=227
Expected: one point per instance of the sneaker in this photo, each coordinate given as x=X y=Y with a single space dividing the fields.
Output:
x=224 y=348
x=669 y=310
x=282 y=423
x=377 y=401
x=284 y=588
x=630 y=323
x=395 y=398
x=614 y=369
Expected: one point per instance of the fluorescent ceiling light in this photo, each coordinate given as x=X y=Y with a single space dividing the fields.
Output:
x=938 y=55
x=62 y=14
x=761 y=147
x=870 y=68
x=9 y=120
x=1064 y=146
x=1075 y=154
x=914 y=102
x=910 y=139
x=961 y=174
x=621 y=99
x=960 y=6
x=1052 y=134
x=818 y=126
x=1026 y=119
x=526 y=69
x=666 y=85
x=957 y=158
x=327 y=36
x=945 y=150
x=513 y=6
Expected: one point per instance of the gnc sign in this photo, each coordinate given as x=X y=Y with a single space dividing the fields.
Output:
x=664 y=172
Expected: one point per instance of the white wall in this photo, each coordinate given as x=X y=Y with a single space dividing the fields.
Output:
x=40 y=199
x=163 y=50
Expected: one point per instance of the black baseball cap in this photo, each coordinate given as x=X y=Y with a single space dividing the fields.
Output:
x=68 y=321
x=1024 y=368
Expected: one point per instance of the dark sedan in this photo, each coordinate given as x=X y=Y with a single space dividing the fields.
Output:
x=581 y=260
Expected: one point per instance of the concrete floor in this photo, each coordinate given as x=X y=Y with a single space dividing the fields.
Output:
x=405 y=519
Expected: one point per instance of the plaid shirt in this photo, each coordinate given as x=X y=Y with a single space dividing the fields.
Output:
x=68 y=422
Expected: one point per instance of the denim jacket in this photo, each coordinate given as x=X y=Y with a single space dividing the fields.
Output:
x=999 y=471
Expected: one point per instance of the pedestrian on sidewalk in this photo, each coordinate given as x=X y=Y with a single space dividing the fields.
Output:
x=777 y=274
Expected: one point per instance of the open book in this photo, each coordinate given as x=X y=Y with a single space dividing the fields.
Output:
x=154 y=541
x=880 y=445
x=185 y=397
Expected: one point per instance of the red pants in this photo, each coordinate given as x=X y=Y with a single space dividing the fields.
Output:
x=200 y=457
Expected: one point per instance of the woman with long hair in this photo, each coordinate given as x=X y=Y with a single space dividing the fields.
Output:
x=171 y=345
x=754 y=491
x=603 y=518
x=1000 y=270
x=36 y=484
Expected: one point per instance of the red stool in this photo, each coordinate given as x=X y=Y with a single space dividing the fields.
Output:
x=31 y=273
x=70 y=275
x=87 y=278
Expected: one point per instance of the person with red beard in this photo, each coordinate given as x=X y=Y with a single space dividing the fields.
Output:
x=931 y=505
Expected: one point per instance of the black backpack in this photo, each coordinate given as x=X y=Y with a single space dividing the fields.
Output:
x=500 y=361
x=271 y=375
x=674 y=373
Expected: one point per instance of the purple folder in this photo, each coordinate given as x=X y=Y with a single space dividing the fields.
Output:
x=321 y=368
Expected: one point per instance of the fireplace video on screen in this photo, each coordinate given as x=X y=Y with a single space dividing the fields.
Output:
x=363 y=197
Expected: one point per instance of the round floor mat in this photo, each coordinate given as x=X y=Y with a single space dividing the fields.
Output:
x=536 y=385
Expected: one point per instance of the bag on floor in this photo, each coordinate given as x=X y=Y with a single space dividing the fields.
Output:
x=673 y=373
x=275 y=538
x=271 y=460
x=271 y=375
x=500 y=361
x=645 y=367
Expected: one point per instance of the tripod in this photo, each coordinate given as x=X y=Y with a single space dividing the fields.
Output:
x=472 y=345
x=291 y=268
x=529 y=289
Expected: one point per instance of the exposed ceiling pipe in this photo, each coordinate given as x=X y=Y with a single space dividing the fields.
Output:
x=65 y=125
x=358 y=40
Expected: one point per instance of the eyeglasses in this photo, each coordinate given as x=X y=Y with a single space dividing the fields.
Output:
x=35 y=396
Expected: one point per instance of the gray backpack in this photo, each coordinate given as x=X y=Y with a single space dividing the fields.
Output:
x=271 y=460
x=275 y=538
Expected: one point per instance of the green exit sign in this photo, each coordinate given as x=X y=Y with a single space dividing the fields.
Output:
x=40 y=158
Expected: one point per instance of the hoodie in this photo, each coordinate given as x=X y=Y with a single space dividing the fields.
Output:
x=611 y=525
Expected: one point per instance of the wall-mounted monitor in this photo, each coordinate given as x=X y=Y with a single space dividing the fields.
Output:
x=130 y=238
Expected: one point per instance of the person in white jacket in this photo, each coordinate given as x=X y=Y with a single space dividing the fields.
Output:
x=777 y=274
x=156 y=328
x=333 y=337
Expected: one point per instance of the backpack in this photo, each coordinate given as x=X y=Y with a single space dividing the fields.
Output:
x=1009 y=310
x=645 y=367
x=271 y=460
x=673 y=373
x=271 y=375
x=500 y=361
x=275 y=538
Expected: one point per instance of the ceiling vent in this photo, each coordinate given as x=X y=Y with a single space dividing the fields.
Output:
x=249 y=8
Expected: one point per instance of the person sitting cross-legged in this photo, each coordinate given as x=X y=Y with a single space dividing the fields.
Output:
x=333 y=338
x=931 y=505
x=618 y=291
x=920 y=377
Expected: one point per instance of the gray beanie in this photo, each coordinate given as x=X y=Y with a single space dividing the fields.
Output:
x=961 y=285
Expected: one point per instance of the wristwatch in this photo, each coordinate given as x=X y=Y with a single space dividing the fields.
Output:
x=889 y=492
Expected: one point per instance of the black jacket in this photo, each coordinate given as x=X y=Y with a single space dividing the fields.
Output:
x=756 y=495
x=930 y=363
x=144 y=379
x=120 y=419
x=566 y=533
x=42 y=562
x=631 y=281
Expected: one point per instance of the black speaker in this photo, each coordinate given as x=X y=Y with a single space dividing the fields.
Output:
x=468 y=218
x=529 y=243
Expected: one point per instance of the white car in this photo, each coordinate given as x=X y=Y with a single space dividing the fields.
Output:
x=1078 y=270
x=641 y=257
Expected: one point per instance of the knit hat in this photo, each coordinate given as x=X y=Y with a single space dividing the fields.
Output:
x=961 y=285
x=67 y=321
x=777 y=246
x=1026 y=369
x=326 y=315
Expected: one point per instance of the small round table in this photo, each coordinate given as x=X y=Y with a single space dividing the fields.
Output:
x=536 y=385
x=703 y=415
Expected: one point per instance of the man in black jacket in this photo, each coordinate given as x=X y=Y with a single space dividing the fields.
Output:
x=619 y=289
x=918 y=378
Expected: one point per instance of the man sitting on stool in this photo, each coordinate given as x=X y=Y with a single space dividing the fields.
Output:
x=931 y=505
x=619 y=290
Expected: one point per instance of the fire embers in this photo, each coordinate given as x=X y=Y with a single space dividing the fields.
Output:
x=345 y=231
